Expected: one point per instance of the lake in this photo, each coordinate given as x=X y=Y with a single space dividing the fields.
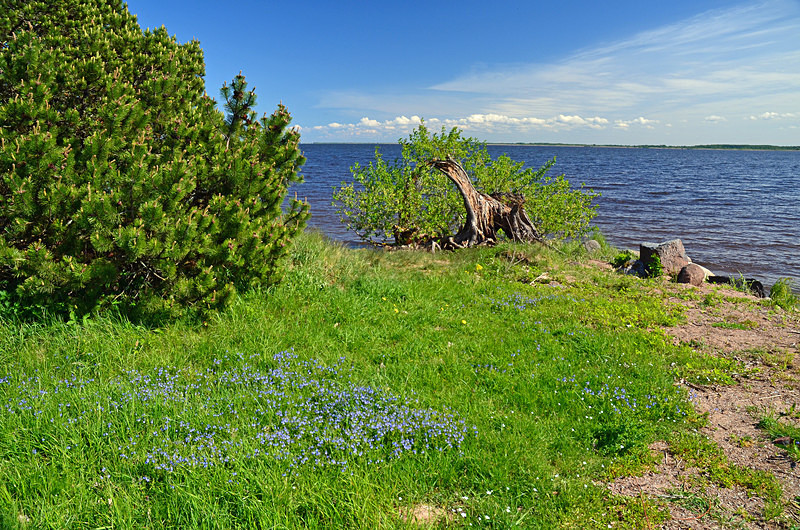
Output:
x=737 y=212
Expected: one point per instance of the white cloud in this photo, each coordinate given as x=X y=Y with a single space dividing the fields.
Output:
x=474 y=124
x=775 y=116
x=644 y=122
x=402 y=120
x=577 y=120
x=715 y=119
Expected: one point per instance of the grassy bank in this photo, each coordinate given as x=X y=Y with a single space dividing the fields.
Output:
x=493 y=387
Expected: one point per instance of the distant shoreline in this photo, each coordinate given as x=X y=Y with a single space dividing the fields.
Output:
x=724 y=147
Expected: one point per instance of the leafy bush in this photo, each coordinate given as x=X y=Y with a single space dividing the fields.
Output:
x=121 y=181
x=623 y=258
x=781 y=294
x=655 y=269
x=407 y=201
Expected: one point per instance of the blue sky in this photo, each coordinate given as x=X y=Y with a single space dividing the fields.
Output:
x=681 y=72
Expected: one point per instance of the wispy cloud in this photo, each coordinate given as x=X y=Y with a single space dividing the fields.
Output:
x=776 y=116
x=475 y=123
x=717 y=68
x=624 y=124
x=368 y=125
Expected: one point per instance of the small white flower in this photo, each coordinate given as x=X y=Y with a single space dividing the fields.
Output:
x=489 y=492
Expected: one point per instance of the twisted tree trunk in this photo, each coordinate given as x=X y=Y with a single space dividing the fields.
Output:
x=486 y=214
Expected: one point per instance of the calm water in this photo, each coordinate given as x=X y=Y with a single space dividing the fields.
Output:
x=735 y=211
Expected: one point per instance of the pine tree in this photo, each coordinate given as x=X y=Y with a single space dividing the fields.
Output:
x=120 y=181
x=239 y=103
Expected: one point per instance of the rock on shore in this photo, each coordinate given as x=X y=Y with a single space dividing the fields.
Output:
x=674 y=261
x=671 y=254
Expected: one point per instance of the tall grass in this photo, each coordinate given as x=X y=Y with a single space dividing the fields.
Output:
x=781 y=294
x=365 y=385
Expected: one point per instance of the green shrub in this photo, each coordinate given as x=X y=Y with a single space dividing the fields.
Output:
x=622 y=259
x=654 y=268
x=407 y=201
x=781 y=294
x=121 y=181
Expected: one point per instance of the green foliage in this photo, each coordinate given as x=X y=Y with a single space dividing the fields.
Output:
x=557 y=209
x=654 y=268
x=735 y=325
x=622 y=259
x=699 y=451
x=783 y=434
x=781 y=294
x=239 y=103
x=409 y=202
x=120 y=181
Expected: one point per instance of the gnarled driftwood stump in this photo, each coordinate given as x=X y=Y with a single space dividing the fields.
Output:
x=486 y=214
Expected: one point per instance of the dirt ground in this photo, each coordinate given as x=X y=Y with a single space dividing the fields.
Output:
x=764 y=340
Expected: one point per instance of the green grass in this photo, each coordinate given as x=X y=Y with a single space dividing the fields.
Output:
x=700 y=452
x=781 y=294
x=747 y=324
x=364 y=385
x=784 y=434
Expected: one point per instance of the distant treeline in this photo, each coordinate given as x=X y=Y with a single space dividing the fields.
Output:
x=708 y=146
x=755 y=147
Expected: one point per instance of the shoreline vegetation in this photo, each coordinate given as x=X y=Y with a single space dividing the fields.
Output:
x=491 y=387
x=729 y=147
